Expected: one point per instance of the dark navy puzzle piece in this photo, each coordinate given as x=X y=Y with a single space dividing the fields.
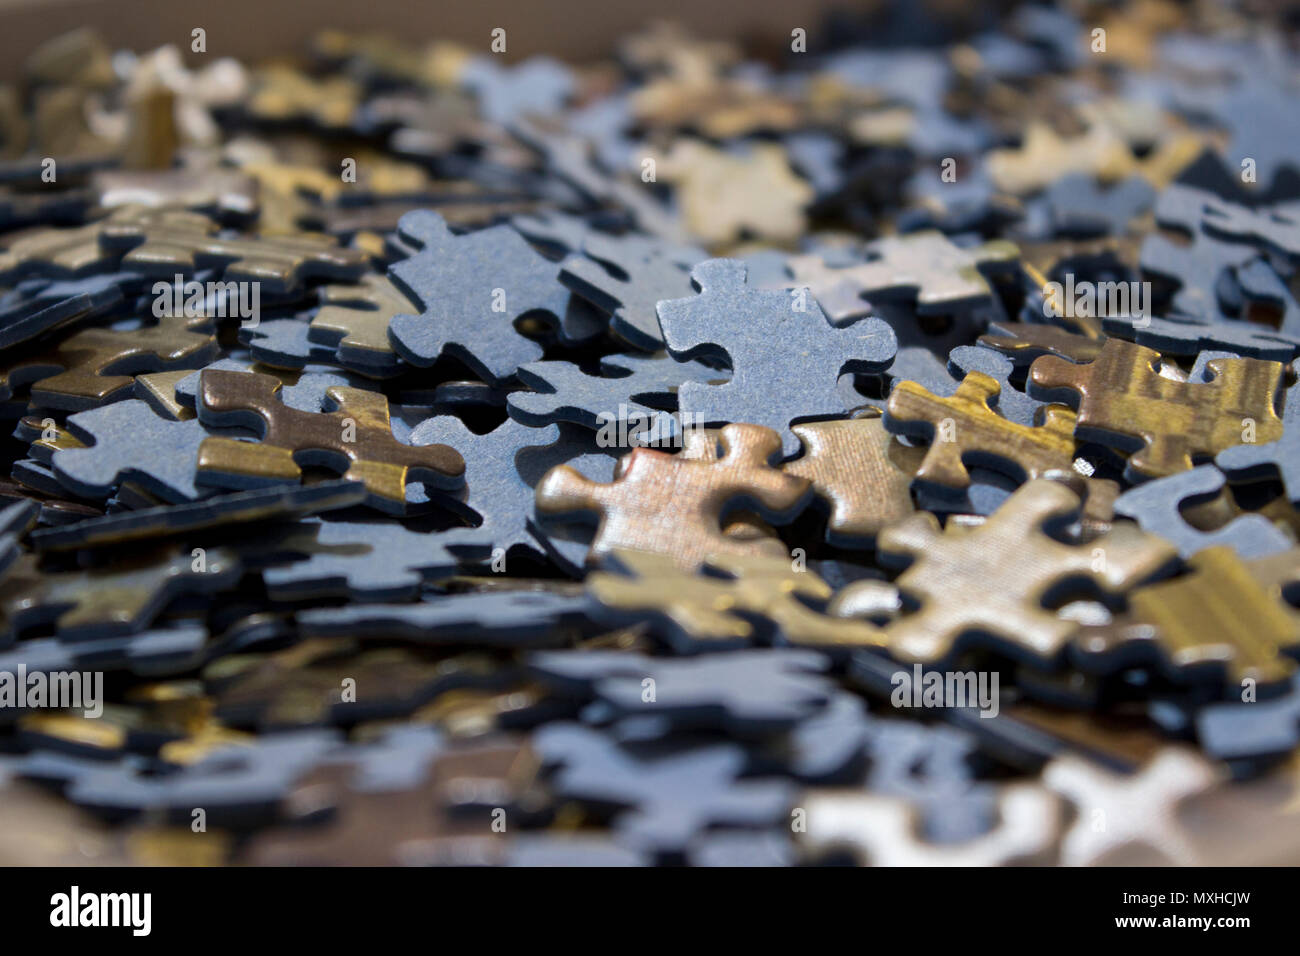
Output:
x=262 y=504
x=511 y=619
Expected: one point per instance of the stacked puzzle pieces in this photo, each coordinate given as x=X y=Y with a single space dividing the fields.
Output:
x=881 y=448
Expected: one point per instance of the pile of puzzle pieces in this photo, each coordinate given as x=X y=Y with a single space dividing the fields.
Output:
x=445 y=458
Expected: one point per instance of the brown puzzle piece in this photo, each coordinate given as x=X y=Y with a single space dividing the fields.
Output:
x=964 y=429
x=1122 y=393
x=863 y=471
x=668 y=504
x=359 y=432
x=1023 y=342
x=990 y=581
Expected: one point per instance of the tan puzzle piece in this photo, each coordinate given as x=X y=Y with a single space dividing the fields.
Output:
x=927 y=265
x=989 y=581
x=163 y=240
x=359 y=313
x=85 y=362
x=711 y=608
x=1220 y=613
x=724 y=197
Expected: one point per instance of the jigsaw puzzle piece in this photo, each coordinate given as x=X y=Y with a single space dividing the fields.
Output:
x=632 y=506
x=1157 y=507
x=466 y=315
x=731 y=320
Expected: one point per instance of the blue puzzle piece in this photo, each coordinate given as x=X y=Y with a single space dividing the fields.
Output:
x=1156 y=506
x=458 y=280
x=786 y=363
x=626 y=404
x=670 y=795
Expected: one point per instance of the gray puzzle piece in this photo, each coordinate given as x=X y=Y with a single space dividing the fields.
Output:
x=124 y=440
x=671 y=796
x=930 y=767
x=626 y=403
x=644 y=272
x=540 y=85
x=379 y=560
x=724 y=849
x=499 y=496
x=457 y=280
x=1012 y=404
x=1156 y=507
x=742 y=692
x=1262 y=728
x=238 y=786
x=503 y=497
x=1185 y=337
x=1248 y=462
x=1079 y=207
x=544 y=849
x=785 y=363
x=285 y=343
x=163 y=650
x=39 y=305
